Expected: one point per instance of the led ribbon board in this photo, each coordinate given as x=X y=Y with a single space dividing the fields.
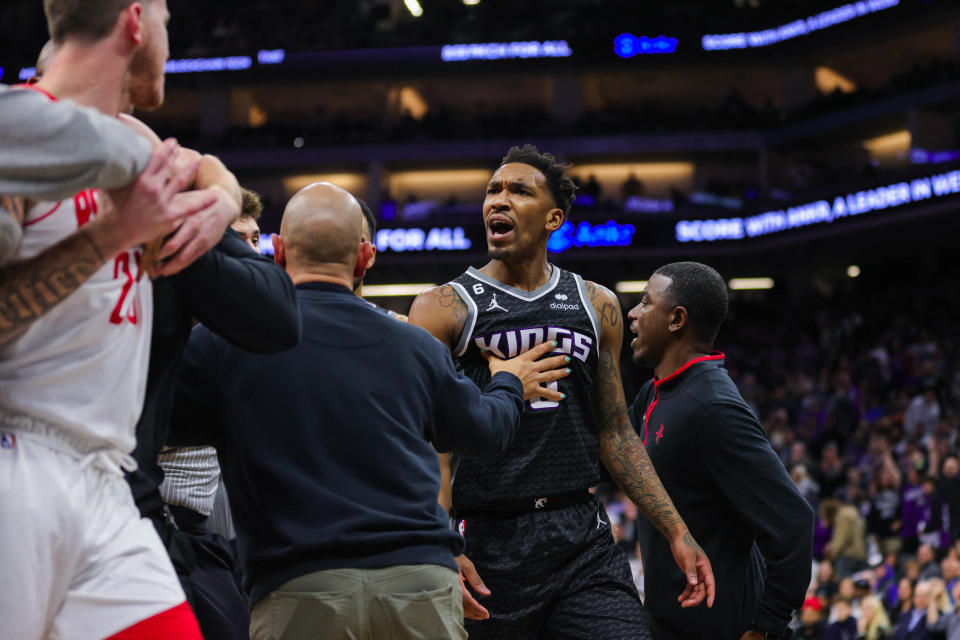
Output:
x=611 y=234
x=417 y=239
x=505 y=50
x=821 y=211
x=795 y=29
x=627 y=45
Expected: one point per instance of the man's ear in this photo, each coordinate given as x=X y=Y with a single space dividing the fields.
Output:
x=279 y=251
x=678 y=319
x=132 y=20
x=365 y=256
x=555 y=219
x=373 y=256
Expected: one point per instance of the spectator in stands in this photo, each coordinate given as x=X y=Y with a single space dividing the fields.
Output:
x=944 y=623
x=873 y=623
x=832 y=472
x=806 y=485
x=847 y=547
x=928 y=562
x=884 y=516
x=913 y=624
x=812 y=625
x=844 y=625
x=923 y=413
x=904 y=601
x=950 y=493
x=826 y=584
x=933 y=520
x=913 y=508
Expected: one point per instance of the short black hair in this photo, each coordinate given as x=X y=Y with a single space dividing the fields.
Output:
x=561 y=187
x=702 y=291
x=371 y=219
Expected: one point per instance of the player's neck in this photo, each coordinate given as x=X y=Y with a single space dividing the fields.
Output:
x=528 y=275
x=676 y=356
x=90 y=75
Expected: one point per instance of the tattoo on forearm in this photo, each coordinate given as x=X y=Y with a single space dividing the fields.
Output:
x=608 y=313
x=450 y=299
x=623 y=453
x=31 y=288
x=690 y=542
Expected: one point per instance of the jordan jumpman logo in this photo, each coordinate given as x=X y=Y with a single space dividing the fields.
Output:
x=494 y=305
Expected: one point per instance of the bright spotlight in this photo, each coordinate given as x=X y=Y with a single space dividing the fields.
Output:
x=748 y=284
x=853 y=271
x=631 y=286
x=413 y=6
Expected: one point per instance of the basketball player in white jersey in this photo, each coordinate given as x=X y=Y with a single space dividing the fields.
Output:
x=78 y=562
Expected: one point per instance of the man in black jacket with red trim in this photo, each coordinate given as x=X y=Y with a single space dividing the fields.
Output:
x=716 y=463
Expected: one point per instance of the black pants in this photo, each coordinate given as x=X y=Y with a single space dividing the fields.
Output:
x=221 y=608
x=553 y=575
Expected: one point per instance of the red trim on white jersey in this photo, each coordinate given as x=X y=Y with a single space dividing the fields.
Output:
x=178 y=622
x=46 y=215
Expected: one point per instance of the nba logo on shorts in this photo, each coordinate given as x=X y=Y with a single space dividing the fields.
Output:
x=462 y=527
x=7 y=441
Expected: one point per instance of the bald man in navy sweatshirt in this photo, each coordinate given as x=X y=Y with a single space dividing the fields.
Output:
x=327 y=449
x=716 y=463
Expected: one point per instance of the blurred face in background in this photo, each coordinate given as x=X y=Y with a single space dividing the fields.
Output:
x=951 y=466
x=824 y=572
x=841 y=610
x=904 y=590
x=249 y=230
x=846 y=588
x=809 y=616
x=921 y=596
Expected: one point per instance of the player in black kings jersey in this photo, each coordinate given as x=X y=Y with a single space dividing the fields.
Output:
x=540 y=540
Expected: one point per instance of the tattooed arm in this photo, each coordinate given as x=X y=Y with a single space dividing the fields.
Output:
x=627 y=460
x=441 y=312
x=145 y=209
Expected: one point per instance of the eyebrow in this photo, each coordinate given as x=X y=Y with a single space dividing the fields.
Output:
x=512 y=183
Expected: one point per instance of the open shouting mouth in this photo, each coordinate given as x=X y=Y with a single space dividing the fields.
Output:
x=499 y=227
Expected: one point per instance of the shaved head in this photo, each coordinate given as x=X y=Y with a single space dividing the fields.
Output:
x=322 y=226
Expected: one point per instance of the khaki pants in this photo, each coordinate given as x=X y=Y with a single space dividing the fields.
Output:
x=406 y=602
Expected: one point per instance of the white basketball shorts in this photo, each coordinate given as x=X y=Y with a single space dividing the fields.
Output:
x=76 y=559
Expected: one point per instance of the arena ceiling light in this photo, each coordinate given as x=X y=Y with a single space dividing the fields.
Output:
x=853 y=271
x=630 y=286
x=471 y=3
x=414 y=8
x=394 y=290
x=747 y=284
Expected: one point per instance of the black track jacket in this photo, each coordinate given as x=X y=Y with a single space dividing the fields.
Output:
x=737 y=499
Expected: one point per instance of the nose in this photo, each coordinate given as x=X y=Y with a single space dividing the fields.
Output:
x=634 y=313
x=499 y=201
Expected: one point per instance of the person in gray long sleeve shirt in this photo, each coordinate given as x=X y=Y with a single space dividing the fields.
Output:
x=50 y=150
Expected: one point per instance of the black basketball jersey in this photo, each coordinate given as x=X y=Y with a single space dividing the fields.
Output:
x=556 y=447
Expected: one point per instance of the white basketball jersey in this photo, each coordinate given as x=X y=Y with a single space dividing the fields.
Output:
x=83 y=365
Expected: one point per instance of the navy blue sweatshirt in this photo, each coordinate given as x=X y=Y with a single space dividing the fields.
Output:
x=736 y=497
x=326 y=447
x=243 y=297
